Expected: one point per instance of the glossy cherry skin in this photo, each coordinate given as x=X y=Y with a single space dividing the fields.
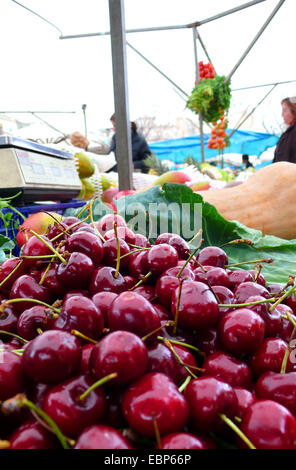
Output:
x=160 y=258
x=278 y=387
x=141 y=240
x=273 y=319
x=11 y=374
x=87 y=243
x=187 y=358
x=177 y=242
x=274 y=288
x=238 y=276
x=124 y=233
x=161 y=359
x=164 y=238
x=104 y=279
x=77 y=273
x=107 y=222
x=130 y=282
x=6 y=268
x=208 y=397
x=269 y=425
x=71 y=414
x=247 y=289
x=137 y=264
x=187 y=272
x=101 y=437
x=156 y=396
x=212 y=256
x=223 y=296
x=185 y=440
x=37 y=393
x=132 y=312
x=75 y=292
x=241 y=331
x=198 y=307
x=80 y=313
x=245 y=399
x=218 y=277
x=85 y=358
x=286 y=329
x=163 y=312
x=32 y=435
x=225 y=367
x=27 y=287
x=102 y=301
x=32 y=319
x=8 y=319
x=52 y=283
x=121 y=352
x=110 y=253
x=51 y=357
x=35 y=247
x=148 y=292
x=165 y=287
x=201 y=273
x=258 y=277
x=207 y=340
x=269 y=357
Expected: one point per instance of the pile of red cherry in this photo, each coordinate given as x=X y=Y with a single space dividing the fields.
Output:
x=109 y=342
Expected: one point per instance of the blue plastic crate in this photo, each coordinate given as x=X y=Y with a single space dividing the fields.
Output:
x=11 y=230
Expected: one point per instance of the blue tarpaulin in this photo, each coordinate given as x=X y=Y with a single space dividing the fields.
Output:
x=177 y=150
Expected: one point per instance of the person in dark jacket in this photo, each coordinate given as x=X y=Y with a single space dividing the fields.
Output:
x=140 y=148
x=286 y=146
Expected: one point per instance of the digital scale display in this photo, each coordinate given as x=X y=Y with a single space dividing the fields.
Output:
x=45 y=170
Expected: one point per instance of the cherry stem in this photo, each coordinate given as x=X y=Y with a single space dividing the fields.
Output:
x=41 y=282
x=184 y=384
x=11 y=273
x=177 y=307
x=188 y=346
x=257 y=302
x=285 y=360
x=168 y=344
x=92 y=219
x=144 y=278
x=186 y=262
x=236 y=429
x=49 y=246
x=118 y=251
x=288 y=317
x=265 y=260
x=194 y=238
x=169 y=323
x=237 y=242
x=82 y=336
x=68 y=229
x=286 y=294
x=156 y=430
x=39 y=331
x=3 y=332
x=39 y=302
x=97 y=384
x=134 y=251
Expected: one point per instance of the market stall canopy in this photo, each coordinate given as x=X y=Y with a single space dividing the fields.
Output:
x=177 y=150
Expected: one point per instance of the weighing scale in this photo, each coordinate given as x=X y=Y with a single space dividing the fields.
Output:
x=39 y=172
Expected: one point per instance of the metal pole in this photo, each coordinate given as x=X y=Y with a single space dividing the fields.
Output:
x=202 y=144
x=84 y=117
x=248 y=115
x=228 y=12
x=255 y=40
x=158 y=70
x=122 y=120
x=261 y=86
x=49 y=125
x=205 y=50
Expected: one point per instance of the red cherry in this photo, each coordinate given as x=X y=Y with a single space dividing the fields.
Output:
x=273 y=319
x=36 y=247
x=51 y=281
x=51 y=357
x=208 y=398
x=154 y=396
x=85 y=358
x=165 y=287
x=212 y=256
x=241 y=331
x=122 y=232
x=198 y=307
x=71 y=414
x=278 y=387
x=238 y=276
x=225 y=367
x=146 y=291
x=32 y=435
x=87 y=243
x=132 y=312
x=27 y=287
x=207 y=340
x=101 y=437
x=260 y=279
x=223 y=296
x=185 y=440
x=247 y=289
x=8 y=319
x=269 y=356
x=161 y=257
x=6 y=268
x=121 y=352
x=32 y=319
x=218 y=277
x=104 y=279
x=110 y=253
x=245 y=399
x=80 y=313
x=102 y=301
x=107 y=222
x=269 y=425
x=77 y=273
x=11 y=374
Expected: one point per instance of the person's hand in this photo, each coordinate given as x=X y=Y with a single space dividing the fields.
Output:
x=79 y=140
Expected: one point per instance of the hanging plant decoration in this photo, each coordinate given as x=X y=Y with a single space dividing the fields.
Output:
x=209 y=98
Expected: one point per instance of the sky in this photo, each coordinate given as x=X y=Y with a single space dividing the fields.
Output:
x=39 y=71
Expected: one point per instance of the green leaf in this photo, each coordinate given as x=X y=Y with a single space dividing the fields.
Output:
x=6 y=243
